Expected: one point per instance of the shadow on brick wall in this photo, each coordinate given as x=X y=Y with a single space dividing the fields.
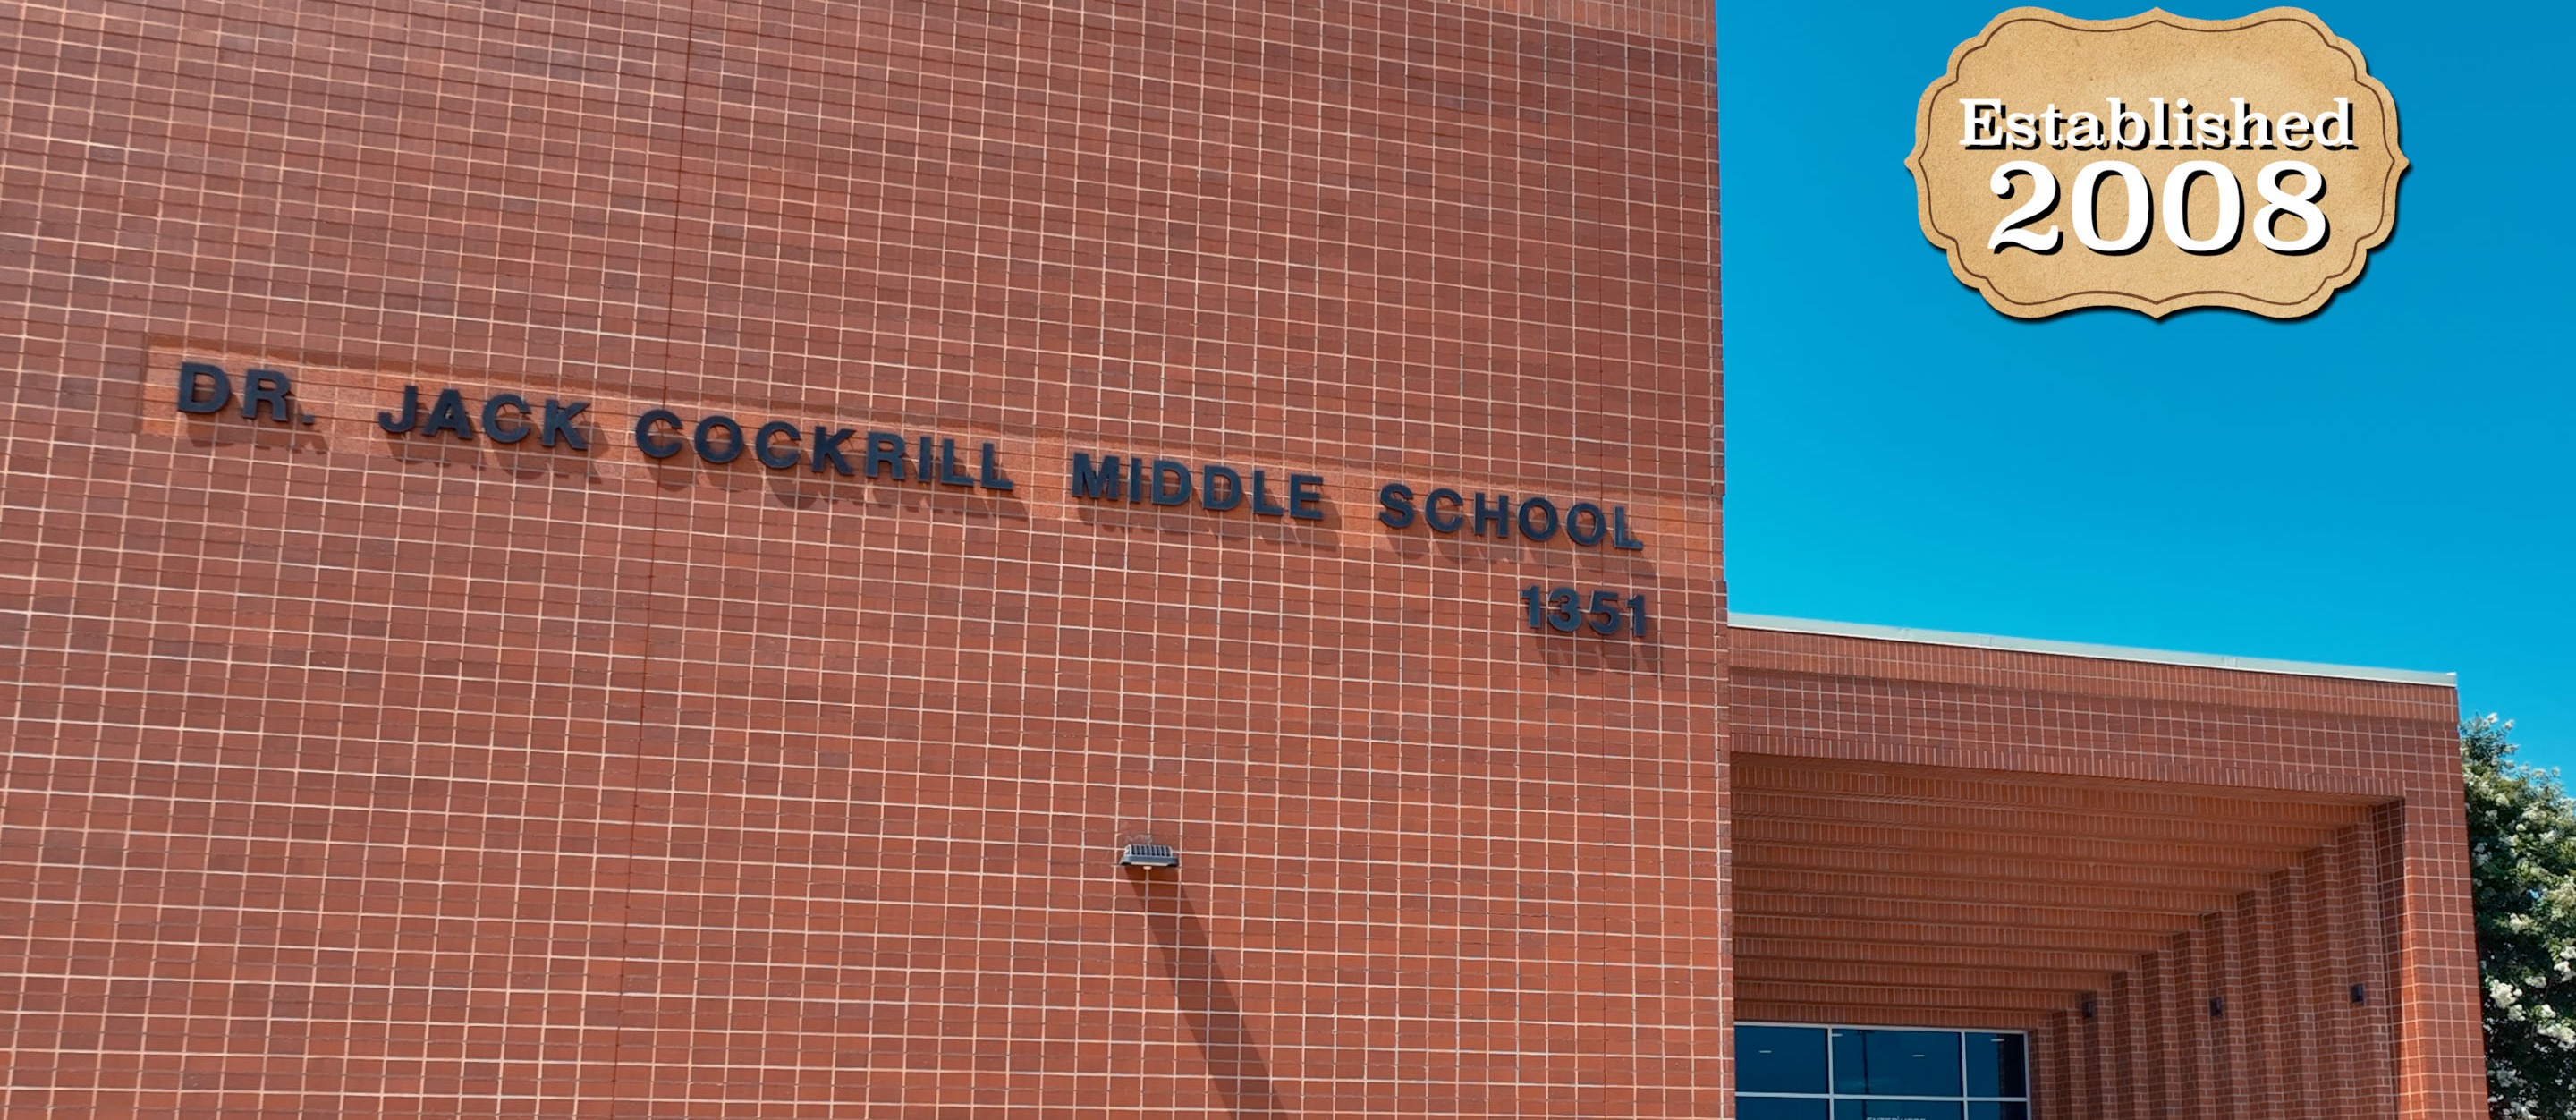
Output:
x=1181 y=950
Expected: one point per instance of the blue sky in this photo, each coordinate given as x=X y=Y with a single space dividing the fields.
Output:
x=2390 y=482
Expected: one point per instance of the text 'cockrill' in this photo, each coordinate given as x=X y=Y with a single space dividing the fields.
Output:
x=718 y=439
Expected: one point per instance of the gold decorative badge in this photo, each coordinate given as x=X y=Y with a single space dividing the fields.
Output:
x=2157 y=163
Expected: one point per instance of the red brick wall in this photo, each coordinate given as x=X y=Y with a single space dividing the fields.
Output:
x=360 y=774
x=2287 y=1039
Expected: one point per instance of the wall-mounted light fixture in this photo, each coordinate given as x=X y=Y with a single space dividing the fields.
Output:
x=2217 y=1006
x=1148 y=855
x=2090 y=1007
x=2361 y=993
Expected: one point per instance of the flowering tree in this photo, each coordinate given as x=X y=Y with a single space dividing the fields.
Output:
x=2522 y=849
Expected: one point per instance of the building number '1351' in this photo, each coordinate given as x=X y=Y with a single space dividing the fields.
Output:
x=1565 y=610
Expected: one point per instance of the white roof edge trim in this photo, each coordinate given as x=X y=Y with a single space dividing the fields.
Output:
x=2084 y=649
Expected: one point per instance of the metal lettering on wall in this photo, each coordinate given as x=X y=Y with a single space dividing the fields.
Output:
x=447 y=413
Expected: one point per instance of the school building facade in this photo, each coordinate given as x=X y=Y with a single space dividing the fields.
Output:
x=798 y=559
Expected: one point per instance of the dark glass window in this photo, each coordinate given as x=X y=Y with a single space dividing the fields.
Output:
x=1780 y=1060
x=1787 y=1071
x=1782 y=1108
x=1995 y=1066
x=1882 y=1063
x=1846 y=1108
